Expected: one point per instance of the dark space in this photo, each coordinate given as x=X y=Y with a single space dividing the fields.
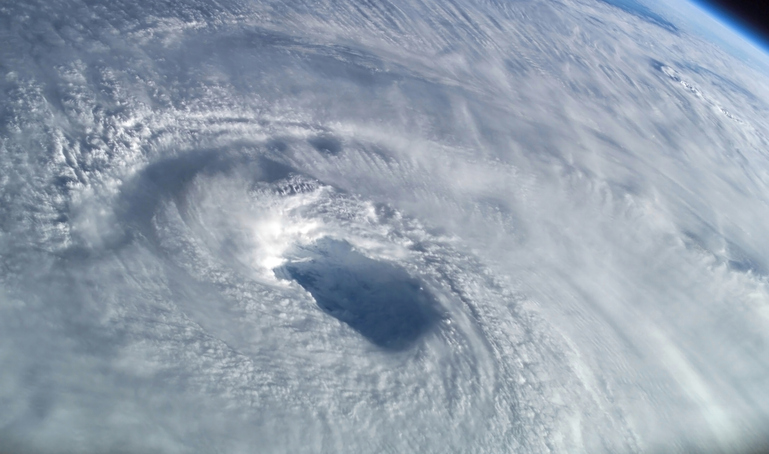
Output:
x=752 y=15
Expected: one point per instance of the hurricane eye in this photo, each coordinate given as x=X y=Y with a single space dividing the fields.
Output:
x=378 y=300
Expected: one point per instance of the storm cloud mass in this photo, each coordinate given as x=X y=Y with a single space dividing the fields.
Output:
x=391 y=226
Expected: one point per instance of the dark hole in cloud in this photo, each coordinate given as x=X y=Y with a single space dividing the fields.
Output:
x=326 y=145
x=378 y=300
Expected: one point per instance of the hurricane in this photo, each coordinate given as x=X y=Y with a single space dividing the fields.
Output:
x=334 y=226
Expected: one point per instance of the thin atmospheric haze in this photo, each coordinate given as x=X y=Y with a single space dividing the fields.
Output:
x=390 y=226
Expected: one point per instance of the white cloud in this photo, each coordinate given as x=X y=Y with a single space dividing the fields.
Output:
x=582 y=192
